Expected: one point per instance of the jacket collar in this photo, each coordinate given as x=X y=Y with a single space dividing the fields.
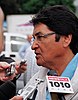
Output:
x=74 y=82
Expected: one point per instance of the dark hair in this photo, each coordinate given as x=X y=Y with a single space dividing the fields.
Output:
x=61 y=20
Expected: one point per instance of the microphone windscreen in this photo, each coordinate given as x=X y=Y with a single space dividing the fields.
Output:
x=52 y=73
x=7 y=90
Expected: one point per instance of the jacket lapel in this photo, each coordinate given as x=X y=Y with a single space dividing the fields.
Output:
x=74 y=83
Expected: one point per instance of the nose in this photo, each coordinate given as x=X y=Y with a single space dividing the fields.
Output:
x=34 y=45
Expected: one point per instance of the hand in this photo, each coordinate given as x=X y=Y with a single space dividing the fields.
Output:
x=21 y=69
x=17 y=98
x=3 y=67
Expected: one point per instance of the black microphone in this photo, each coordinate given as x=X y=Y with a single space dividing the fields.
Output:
x=7 y=90
x=60 y=95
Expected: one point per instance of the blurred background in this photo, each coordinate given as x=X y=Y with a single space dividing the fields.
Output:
x=16 y=25
x=32 y=6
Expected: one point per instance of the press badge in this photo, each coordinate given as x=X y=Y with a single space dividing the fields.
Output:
x=59 y=84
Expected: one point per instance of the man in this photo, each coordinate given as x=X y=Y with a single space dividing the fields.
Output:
x=56 y=44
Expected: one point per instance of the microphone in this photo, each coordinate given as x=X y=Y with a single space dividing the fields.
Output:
x=7 y=90
x=31 y=88
x=59 y=95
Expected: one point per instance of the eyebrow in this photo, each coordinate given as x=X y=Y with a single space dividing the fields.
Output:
x=38 y=33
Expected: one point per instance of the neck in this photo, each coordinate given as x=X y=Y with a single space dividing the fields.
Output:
x=60 y=65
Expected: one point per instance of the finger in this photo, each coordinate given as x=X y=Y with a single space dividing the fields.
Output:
x=8 y=78
x=1 y=69
x=23 y=67
x=17 y=98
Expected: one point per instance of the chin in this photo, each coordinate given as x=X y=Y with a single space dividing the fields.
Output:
x=39 y=63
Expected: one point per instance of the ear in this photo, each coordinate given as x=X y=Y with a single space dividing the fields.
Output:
x=67 y=40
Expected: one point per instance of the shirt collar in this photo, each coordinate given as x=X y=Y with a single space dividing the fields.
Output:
x=71 y=67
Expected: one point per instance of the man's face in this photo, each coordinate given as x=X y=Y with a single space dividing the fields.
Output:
x=47 y=50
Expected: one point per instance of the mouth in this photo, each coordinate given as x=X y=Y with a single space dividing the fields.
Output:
x=37 y=55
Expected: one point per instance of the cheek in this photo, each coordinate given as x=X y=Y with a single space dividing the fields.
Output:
x=45 y=52
x=41 y=58
x=50 y=51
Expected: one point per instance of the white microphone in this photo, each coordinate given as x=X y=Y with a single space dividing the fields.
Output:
x=32 y=85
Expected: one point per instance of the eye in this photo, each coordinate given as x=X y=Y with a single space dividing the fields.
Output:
x=39 y=38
